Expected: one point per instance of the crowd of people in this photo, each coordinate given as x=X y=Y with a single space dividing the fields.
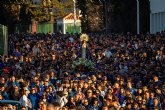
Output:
x=129 y=72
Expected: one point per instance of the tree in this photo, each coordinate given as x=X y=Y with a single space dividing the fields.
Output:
x=92 y=15
x=121 y=15
x=82 y=5
x=144 y=16
x=124 y=16
x=23 y=12
x=9 y=10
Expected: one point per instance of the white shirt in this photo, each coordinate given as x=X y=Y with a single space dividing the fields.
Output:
x=71 y=39
x=25 y=101
x=62 y=101
x=108 y=54
x=136 y=46
x=28 y=46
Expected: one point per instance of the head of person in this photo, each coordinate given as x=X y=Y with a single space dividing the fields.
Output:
x=37 y=82
x=155 y=101
x=46 y=82
x=69 y=90
x=50 y=107
x=59 y=94
x=121 y=108
x=144 y=101
x=110 y=91
x=85 y=102
x=40 y=104
x=89 y=93
x=146 y=95
x=33 y=90
x=93 y=77
x=158 y=91
x=1 y=97
x=78 y=89
x=25 y=91
x=47 y=76
x=44 y=95
x=152 y=95
x=12 y=78
x=65 y=108
x=129 y=84
x=52 y=74
x=2 y=80
x=145 y=88
x=71 y=99
x=155 y=79
x=79 y=108
x=23 y=108
x=56 y=105
x=94 y=102
x=139 y=91
x=139 y=99
x=109 y=97
x=77 y=97
x=65 y=93
x=122 y=91
x=2 y=87
x=50 y=88
x=116 y=85
x=4 y=106
x=128 y=106
x=73 y=107
x=16 y=89
x=85 y=85
x=97 y=92
x=35 y=79
x=105 y=107
x=44 y=106
x=121 y=82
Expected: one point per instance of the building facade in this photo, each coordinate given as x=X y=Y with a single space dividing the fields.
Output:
x=157 y=16
x=66 y=24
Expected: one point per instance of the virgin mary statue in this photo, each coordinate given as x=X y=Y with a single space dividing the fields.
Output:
x=84 y=39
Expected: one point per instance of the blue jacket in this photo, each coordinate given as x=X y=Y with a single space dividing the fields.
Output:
x=121 y=98
x=150 y=102
x=1 y=65
x=34 y=99
x=4 y=95
x=13 y=83
x=90 y=107
x=133 y=91
x=17 y=54
x=50 y=98
x=52 y=81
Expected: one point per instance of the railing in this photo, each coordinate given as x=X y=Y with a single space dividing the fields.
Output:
x=40 y=28
x=3 y=40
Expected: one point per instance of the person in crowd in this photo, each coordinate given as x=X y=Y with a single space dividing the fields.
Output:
x=50 y=107
x=70 y=102
x=128 y=72
x=33 y=97
x=3 y=93
x=61 y=98
x=24 y=100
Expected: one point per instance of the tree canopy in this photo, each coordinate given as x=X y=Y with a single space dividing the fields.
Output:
x=24 y=11
x=121 y=15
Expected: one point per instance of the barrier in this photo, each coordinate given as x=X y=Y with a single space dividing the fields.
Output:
x=38 y=28
x=3 y=40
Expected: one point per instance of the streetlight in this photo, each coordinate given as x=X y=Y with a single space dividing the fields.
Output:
x=74 y=1
x=138 y=23
x=106 y=20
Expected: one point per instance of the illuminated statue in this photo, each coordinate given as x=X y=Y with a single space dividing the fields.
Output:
x=84 y=39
